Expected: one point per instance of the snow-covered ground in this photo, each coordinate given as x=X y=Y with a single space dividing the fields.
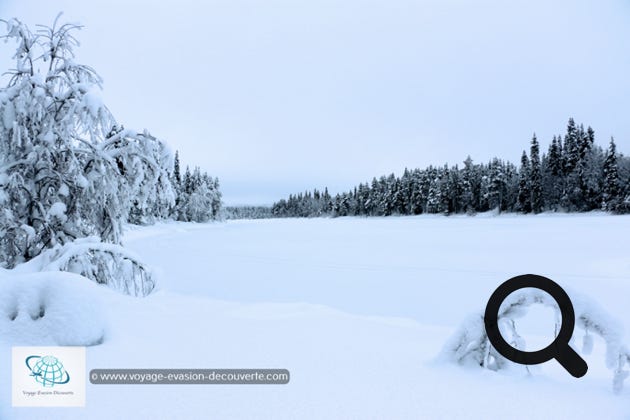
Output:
x=357 y=309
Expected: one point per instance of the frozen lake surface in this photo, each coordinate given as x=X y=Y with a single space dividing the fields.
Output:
x=357 y=309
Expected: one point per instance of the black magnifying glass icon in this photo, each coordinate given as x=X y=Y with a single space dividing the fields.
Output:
x=559 y=349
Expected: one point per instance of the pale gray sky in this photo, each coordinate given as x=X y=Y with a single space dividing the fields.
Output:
x=279 y=96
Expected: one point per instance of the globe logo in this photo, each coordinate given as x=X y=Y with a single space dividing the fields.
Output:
x=47 y=370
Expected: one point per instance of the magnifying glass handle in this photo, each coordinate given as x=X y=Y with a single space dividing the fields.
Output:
x=571 y=361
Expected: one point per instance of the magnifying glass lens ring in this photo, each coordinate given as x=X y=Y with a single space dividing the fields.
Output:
x=521 y=282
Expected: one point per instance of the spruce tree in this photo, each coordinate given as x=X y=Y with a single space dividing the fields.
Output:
x=610 y=196
x=572 y=191
x=555 y=158
x=524 y=193
x=571 y=148
x=511 y=187
x=535 y=177
x=177 y=176
x=552 y=175
x=496 y=185
x=467 y=193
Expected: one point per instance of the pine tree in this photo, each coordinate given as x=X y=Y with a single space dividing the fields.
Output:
x=455 y=190
x=447 y=191
x=571 y=198
x=417 y=199
x=552 y=175
x=496 y=184
x=524 y=193
x=177 y=177
x=555 y=158
x=611 y=190
x=571 y=148
x=535 y=177
x=511 y=187
x=188 y=181
x=467 y=194
x=176 y=180
x=484 y=187
x=215 y=198
x=587 y=143
x=434 y=196
x=327 y=201
x=406 y=192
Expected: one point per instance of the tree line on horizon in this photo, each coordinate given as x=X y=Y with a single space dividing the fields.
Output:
x=574 y=175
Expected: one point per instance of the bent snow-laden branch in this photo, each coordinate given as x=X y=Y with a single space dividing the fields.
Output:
x=104 y=263
x=470 y=345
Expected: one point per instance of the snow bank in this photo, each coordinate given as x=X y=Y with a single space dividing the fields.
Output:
x=50 y=308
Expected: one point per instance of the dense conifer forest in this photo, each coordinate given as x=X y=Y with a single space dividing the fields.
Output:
x=573 y=175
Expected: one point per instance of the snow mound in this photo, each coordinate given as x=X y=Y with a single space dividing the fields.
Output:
x=50 y=308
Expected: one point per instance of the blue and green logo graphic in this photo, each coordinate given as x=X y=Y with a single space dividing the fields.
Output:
x=47 y=370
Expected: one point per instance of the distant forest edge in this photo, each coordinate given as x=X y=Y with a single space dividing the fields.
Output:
x=574 y=175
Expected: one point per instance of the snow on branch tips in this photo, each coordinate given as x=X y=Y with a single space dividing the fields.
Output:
x=469 y=346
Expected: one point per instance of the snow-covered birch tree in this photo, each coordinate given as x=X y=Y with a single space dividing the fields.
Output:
x=67 y=170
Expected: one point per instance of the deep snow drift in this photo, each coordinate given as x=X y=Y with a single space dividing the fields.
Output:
x=51 y=309
x=357 y=309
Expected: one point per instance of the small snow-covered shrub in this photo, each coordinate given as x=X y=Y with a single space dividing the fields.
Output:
x=470 y=345
x=103 y=263
x=50 y=308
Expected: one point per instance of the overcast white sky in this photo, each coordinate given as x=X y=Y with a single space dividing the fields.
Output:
x=279 y=96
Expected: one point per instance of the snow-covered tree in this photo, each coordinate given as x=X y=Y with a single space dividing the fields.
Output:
x=467 y=197
x=177 y=176
x=496 y=189
x=524 y=203
x=145 y=163
x=535 y=177
x=611 y=190
x=434 y=196
x=67 y=169
x=199 y=199
x=571 y=150
x=56 y=181
x=552 y=175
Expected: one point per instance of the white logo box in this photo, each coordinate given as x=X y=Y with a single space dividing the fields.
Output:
x=48 y=376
